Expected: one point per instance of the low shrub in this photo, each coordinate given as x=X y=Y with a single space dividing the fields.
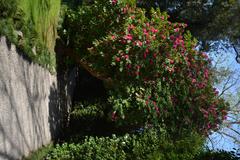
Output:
x=218 y=155
x=149 y=144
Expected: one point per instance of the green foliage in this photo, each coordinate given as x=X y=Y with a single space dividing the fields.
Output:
x=145 y=145
x=217 y=155
x=39 y=154
x=7 y=8
x=88 y=111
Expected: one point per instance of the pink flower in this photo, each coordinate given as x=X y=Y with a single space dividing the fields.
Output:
x=117 y=59
x=126 y=56
x=176 y=29
x=201 y=85
x=139 y=43
x=147 y=50
x=145 y=55
x=146 y=102
x=208 y=126
x=124 y=10
x=154 y=55
x=206 y=73
x=113 y=37
x=163 y=37
x=128 y=37
x=204 y=55
x=129 y=66
x=154 y=30
x=157 y=109
x=151 y=61
x=172 y=37
x=114 y=117
x=193 y=81
x=154 y=103
x=138 y=66
x=131 y=27
x=114 y=2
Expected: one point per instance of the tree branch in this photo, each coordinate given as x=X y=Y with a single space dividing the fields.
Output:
x=67 y=51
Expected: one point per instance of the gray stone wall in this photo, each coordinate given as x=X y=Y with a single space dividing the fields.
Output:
x=29 y=104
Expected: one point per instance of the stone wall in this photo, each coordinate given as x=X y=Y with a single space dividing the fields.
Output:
x=29 y=104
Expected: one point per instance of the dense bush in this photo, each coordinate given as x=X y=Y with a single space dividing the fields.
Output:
x=149 y=65
x=7 y=8
x=147 y=145
x=217 y=155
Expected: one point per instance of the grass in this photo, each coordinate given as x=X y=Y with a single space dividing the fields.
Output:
x=40 y=153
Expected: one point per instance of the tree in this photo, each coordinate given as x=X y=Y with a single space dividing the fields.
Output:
x=149 y=66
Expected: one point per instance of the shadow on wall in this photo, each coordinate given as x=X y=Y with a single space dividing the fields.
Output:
x=29 y=104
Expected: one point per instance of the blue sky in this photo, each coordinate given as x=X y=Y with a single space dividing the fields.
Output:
x=227 y=54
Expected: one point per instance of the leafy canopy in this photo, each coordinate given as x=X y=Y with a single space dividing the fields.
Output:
x=149 y=65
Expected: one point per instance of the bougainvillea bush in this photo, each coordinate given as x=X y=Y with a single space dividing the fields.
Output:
x=149 y=65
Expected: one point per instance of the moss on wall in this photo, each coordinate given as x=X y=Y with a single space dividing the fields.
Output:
x=43 y=14
x=38 y=21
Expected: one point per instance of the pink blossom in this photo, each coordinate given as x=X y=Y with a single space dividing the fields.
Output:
x=132 y=17
x=114 y=117
x=114 y=2
x=208 y=126
x=113 y=37
x=154 y=55
x=176 y=29
x=137 y=73
x=163 y=37
x=206 y=73
x=138 y=66
x=129 y=66
x=117 y=59
x=145 y=55
x=172 y=37
x=193 y=81
x=131 y=27
x=154 y=30
x=124 y=10
x=157 y=109
x=128 y=37
x=146 y=102
x=204 y=55
x=151 y=61
x=139 y=43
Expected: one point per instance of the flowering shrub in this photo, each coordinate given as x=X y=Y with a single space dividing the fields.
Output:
x=157 y=75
